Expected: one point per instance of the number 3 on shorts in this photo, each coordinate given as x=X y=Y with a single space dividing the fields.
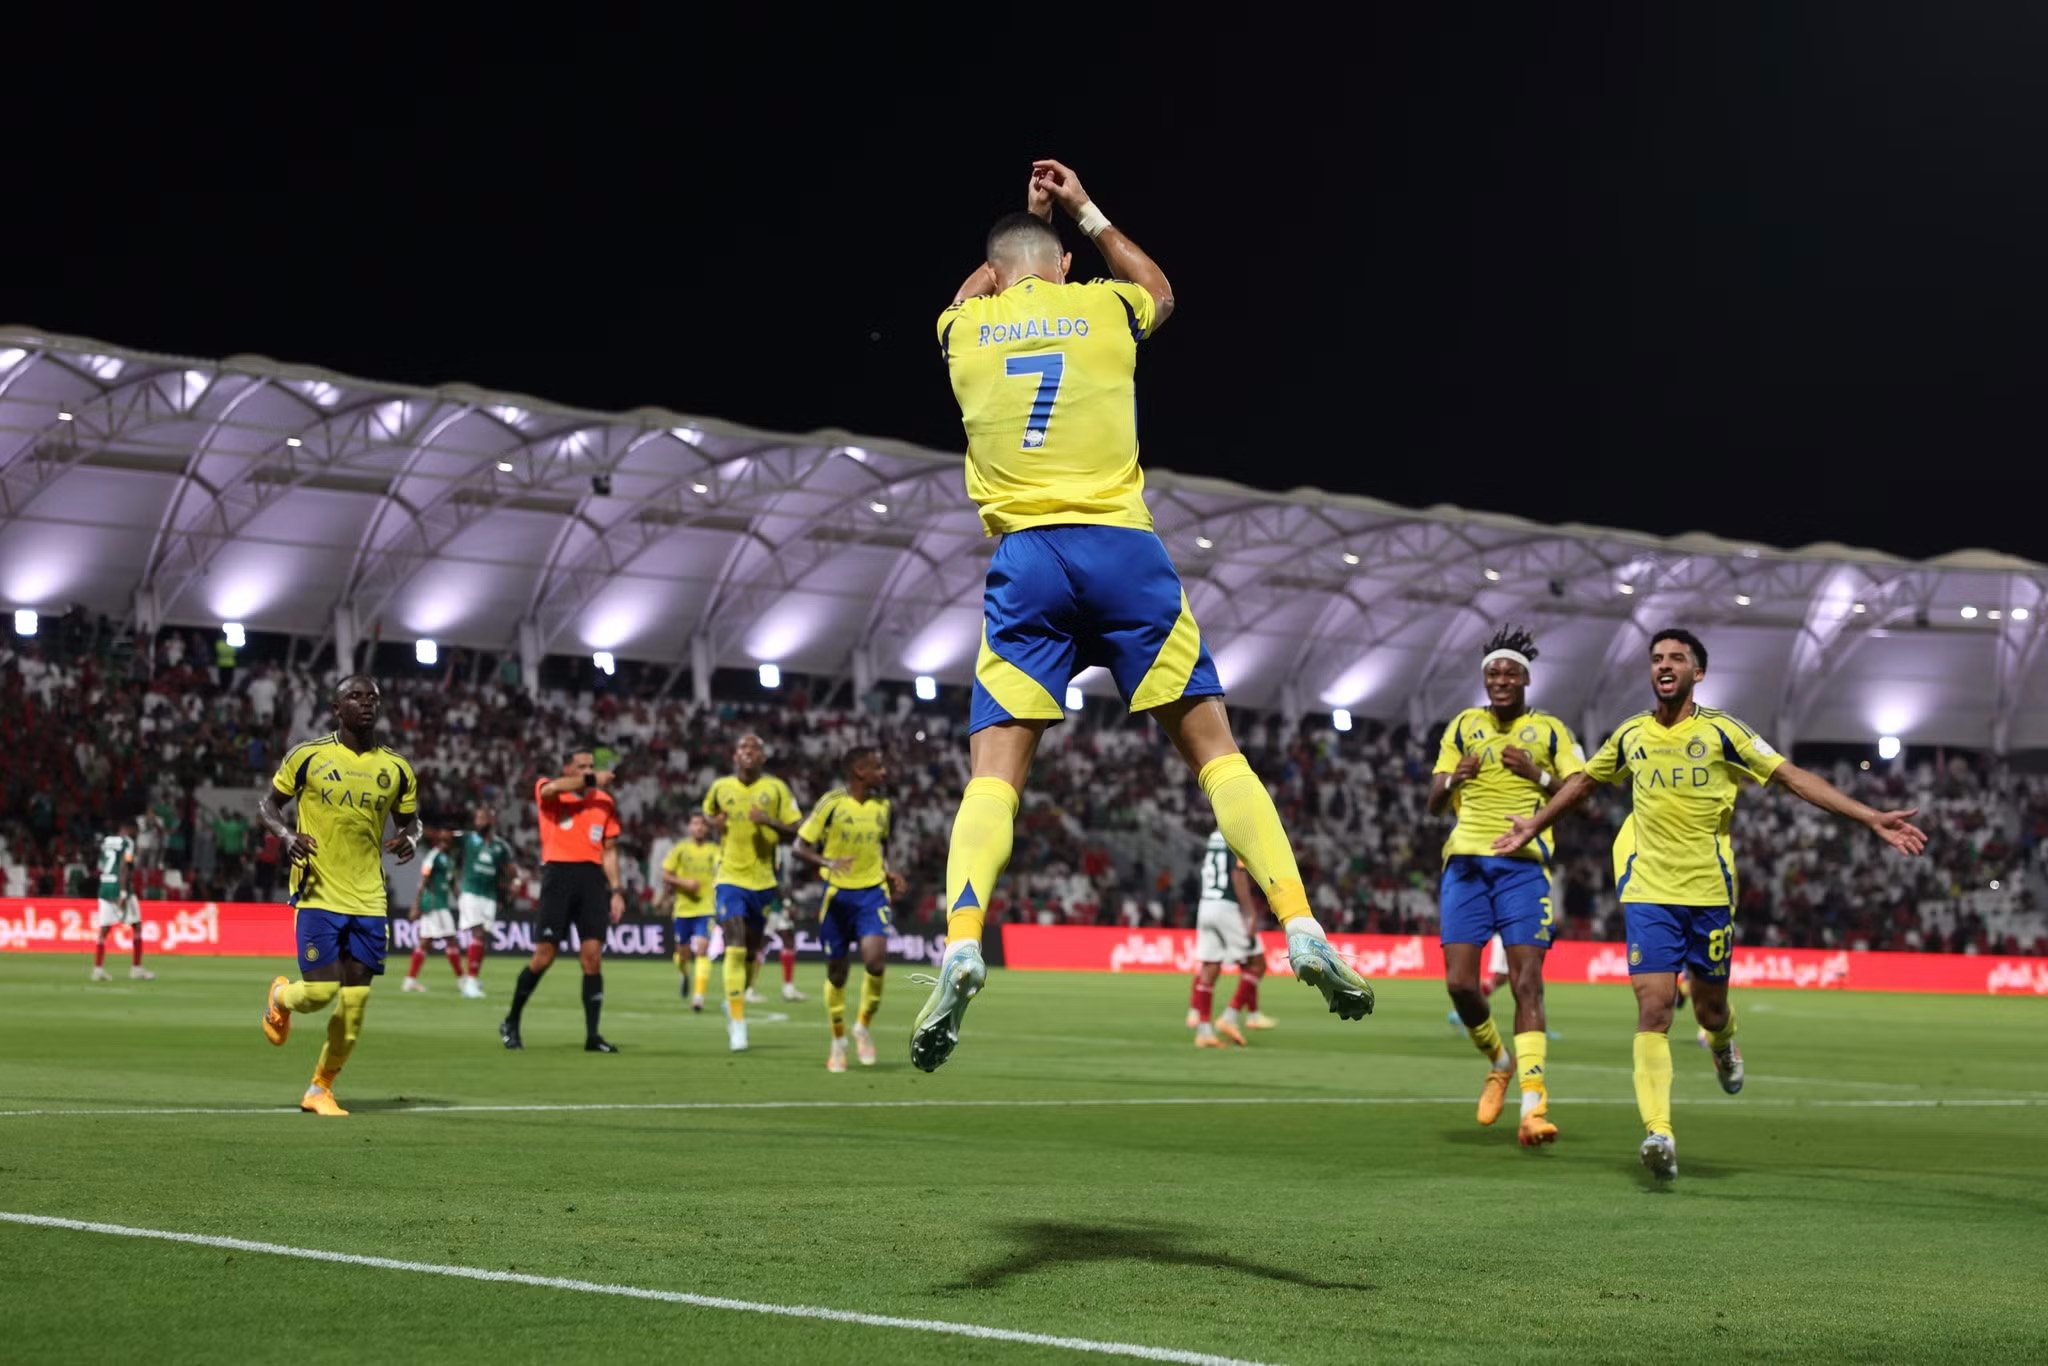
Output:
x=1717 y=943
x=1051 y=368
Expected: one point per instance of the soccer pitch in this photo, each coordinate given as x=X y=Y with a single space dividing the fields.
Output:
x=1078 y=1171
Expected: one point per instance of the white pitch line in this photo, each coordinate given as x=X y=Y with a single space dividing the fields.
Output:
x=634 y=1292
x=1065 y=1103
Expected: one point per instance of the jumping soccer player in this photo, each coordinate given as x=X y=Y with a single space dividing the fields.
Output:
x=846 y=836
x=1043 y=373
x=433 y=914
x=579 y=886
x=1678 y=892
x=689 y=869
x=486 y=865
x=345 y=785
x=118 y=905
x=751 y=810
x=1223 y=934
x=1495 y=762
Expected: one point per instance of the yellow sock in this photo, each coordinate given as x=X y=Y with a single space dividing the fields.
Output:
x=702 y=978
x=835 y=1007
x=1486 y=1038
x=1530 y=1048
x=1718 y=1039
x=753 y=970
x=677 y=959
x=305 y=997
x=344 y=1027
x=1653 y=1082
x=870 y=997
x=983 y=832
x=1251 y=825
x=736 y=980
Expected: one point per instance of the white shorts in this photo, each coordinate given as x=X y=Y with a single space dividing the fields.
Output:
x=1220 y=933
x=477 y=911
x=437 y=925
x=112 y=913
x=779 y=922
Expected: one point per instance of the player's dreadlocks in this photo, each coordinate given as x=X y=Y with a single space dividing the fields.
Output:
x=1516 y=638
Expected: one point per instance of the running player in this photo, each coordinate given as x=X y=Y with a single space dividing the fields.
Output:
x=345 y=785
x=118 y=905
x=1678 y=892
x=433 y=914
x=846 y=837
x=751 y=810
x=1495 y=762
x=579 y=888
x=689 y=870
x=1222 y=935
x=486 y=866
x=1043 y=373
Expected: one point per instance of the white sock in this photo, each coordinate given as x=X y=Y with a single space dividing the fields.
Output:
x=1530 y=1099
x=1230 y=1015
x=1503 y=1061
x=1205 y=1030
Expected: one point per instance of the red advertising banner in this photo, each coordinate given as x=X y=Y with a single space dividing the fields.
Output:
x=255 y=929
x=1089 y=948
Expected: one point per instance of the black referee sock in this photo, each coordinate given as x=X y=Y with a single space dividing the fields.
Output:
x=528 y=980
x=593 y=1002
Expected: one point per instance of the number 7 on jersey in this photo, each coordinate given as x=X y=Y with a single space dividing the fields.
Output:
x=1051 y=368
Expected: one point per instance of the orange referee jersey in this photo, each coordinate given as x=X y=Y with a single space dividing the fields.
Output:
x=575 y=825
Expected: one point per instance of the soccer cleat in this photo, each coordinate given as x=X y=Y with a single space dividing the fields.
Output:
x=596 y=1044
x=1232 y=1033
x=277 y=1021
x=1536 y=1126
x=864 y=1045
x=508 y=1034
x=1660 y=1157
x=1206 y=1038
x=413 y=984
x=472 y=989
x=102 y=975
x=835 y=1061
x=697 y=1004
x=790 y=993
x=1259 y=1019
x=319 y=1100
x=736 y=1035
x=1316 y=963
x=936 y=1031
x=139 y=973
x=1493 y=1095
x=755 y=998
x=1728 y=1067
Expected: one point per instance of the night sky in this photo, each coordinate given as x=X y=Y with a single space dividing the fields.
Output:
x=1774 y=274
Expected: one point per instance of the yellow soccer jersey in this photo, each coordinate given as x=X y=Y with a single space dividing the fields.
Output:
x=841 y=827
x=1685 y=780
x=747 y=855
x=1044 y=377
x=1484 y=802
x=344 y=798
x=698 y=861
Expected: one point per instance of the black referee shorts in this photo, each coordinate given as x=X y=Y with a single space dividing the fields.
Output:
x=573 y=894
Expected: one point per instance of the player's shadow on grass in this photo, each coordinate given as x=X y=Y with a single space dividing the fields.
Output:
x=1048 y=1243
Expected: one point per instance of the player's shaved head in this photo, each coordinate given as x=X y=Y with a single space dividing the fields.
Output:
x=352 y=681
x=1022 y=244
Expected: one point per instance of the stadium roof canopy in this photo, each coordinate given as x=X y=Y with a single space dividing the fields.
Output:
x=293 y=499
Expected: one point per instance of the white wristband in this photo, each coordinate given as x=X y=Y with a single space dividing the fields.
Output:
x=1092 y=220
x=1543 y=780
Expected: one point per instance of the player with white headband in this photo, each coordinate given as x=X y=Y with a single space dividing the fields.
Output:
x=1497 y=762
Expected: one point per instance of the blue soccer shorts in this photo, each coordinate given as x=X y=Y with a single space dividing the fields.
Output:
x=1060 y=599
x=326 y=936
x=690 y=927
x=849 y=915
x=746 y=903
x=1677 y=938
x=1483 y=896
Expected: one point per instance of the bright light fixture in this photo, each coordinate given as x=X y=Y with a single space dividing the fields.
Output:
x=1742 y=599
x=1994 y=884
x=63 y=417
x=1993 y=615
x=1204 y=543
x=504 y=467
x=293 y=442
x=927 y=688
x=426 y=651
x=1888 y=746
x=1859 y=609
x=1350 y=557
x=24 y=621
x=1969 y=613
x=1627 y=590
x=700 y=488
x=1340 y=719
x=878 y=507
x=604 y=662
x=771 y=676
x=2019 y=614
x=1493 y=576
x=233 y=633
x=1073 y=697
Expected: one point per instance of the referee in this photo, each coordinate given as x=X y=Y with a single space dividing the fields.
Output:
x=579 y=886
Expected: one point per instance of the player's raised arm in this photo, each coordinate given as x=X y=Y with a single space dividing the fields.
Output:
x=1893 y=827
x=1127 y=261
x=1522 y=829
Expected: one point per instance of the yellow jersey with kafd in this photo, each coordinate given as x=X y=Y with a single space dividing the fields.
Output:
x=697 y=863
x=1684 y=779
x=344 y=799
x=1045 y=378
x=1486 y=800
x=747 y=853
x=841 y=827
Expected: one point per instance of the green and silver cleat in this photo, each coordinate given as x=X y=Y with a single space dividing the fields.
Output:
x=961 y=977
x=1317 y=963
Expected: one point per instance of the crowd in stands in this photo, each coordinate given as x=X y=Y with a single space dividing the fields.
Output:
x=179 y=735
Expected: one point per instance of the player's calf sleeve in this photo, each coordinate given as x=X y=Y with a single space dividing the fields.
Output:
x=521 y=989
x=593 y=1002
x=1486 y=1038
x=1653 y=1082
x=870 y=996
x=835 y=1007
x=455 y=957
x=1202 y=998
x=1246 y=997
x=701 y=975
x=1251 y=825
x=344 y=1027
x=99 y=957
x=136 y=958
x=1531 y=1049
x=788 y=965
x=736 y=980
x=753 y=969
x=983 y=832
x=419 y=960
x=1718 y=1039
x=476 y=954
x=303 y=998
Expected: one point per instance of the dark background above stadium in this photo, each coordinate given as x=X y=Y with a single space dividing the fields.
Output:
x=1773 y=273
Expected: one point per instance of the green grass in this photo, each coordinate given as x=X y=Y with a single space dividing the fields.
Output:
x=1801 y=1228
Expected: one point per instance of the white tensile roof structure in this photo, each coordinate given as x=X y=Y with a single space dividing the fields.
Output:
x=293 y=499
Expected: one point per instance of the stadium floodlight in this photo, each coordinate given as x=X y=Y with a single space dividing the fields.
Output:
x=1073 y=697
x=1493 y=576
x=24 y=621
x=1993 y=615
x=1887 y=746
x=1351 y=557
x=1969 y=613
x=293 y=442
x=1340 y=719
x=879 y=508
x=426 y=651
x=1627 y=590
x=771 y=676
x=700 y=488
x=2019 y=614
x=1994 y=884
x=1742 y=599
x=1859 y=609
x=927 y=688
x=604 y=662
x=1204 y=543
x=63 y=417
x=504 y=467
x=235 y=636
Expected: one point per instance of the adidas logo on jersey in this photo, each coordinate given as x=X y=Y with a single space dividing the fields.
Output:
x=332 y=775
